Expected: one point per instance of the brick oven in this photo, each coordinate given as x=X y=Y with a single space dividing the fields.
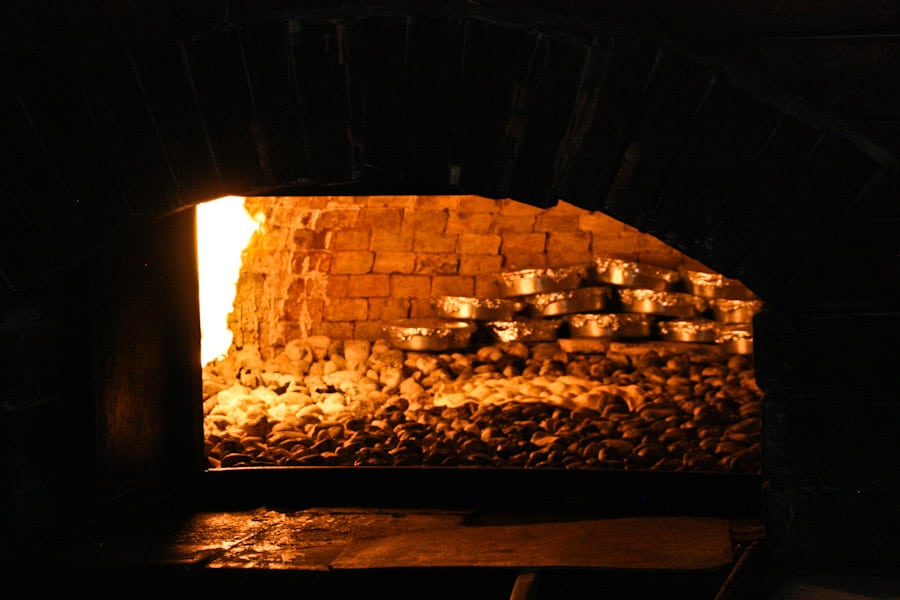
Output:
x=315 y=365
x=760 y=143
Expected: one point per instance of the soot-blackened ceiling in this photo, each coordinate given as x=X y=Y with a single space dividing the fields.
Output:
x=669 y=130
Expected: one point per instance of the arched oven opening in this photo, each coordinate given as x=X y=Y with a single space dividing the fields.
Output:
x=554 y=114
x=465 y=334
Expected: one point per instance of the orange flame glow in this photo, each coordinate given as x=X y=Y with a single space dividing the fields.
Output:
x=224 y=228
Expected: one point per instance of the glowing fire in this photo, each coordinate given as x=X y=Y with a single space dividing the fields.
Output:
x=224 y=228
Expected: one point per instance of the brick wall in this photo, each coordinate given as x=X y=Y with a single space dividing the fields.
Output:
x=341 y=266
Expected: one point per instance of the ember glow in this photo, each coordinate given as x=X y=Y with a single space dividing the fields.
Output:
x=224 y=228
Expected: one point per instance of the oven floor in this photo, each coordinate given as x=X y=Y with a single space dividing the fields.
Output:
x=406 y=553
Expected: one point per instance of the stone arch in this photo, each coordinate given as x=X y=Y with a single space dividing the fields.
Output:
x=537 y=106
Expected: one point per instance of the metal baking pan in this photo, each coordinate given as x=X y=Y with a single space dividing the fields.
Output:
x=668 y=304
x=735 y=338
x=714 y=285
x=632 y=274
x=429 y=335
x=581 y=300
x=703 y=331
x=610 y=325
x=478 y=309
x=535 y=281
x=737 y=346
x=525 y=330
x=726 y=310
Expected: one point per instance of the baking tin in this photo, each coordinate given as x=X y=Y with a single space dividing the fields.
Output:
x=429 y=335
x=581 y=300
x=610 y=325
x=479 y=309
x=669 y=304
x=535 y=281
x=714 y=285
x=702 y=331
x=726 y=310
x=632 y=274
x=735 y=338
x=525 y=330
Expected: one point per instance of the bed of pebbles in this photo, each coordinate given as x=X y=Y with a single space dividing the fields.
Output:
x=650 y=406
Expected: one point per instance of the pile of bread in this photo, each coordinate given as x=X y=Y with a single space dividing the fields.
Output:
x=337 y=402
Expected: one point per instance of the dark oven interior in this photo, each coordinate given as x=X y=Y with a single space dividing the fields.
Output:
x=757 y=145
